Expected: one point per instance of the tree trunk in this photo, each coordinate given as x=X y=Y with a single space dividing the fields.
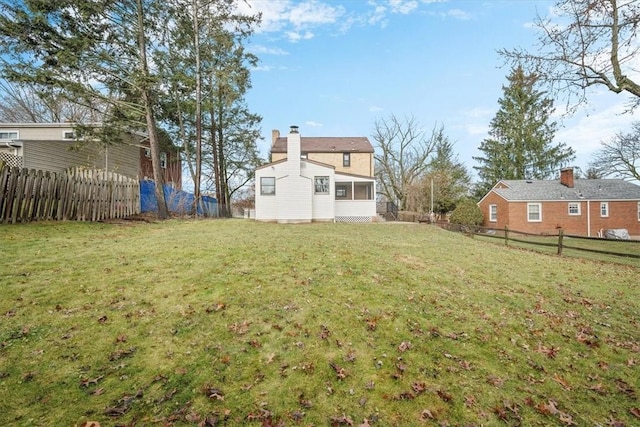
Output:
x=198 y=172
x=145 y=93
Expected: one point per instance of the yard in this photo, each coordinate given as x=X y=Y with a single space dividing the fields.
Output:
x=227 y=322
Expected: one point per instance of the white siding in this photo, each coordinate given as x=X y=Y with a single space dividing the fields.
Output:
x=293 y=194
x=266 y=206
x=322 y=204
x=364 y=208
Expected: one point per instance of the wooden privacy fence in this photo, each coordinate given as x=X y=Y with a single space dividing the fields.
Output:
x=79 y=194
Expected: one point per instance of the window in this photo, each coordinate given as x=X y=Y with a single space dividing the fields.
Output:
x=9 y=134
x=341 y=191
x=346 y=160
x=534 y=212
x=493 y=213
x=147 y=153
x=322 y=184
x=68 y=134
x=268 y=186
x=604 y=209
x=574 y=208
x=163 y=160
x=638 y=211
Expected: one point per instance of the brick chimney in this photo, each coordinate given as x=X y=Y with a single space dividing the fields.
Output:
x=566 y=177
x=293 y=151
x=275 y=134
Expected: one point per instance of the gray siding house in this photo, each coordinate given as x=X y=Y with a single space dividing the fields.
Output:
x=52 y=147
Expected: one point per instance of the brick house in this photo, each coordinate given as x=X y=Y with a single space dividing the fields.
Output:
x=316 y=179
x=583 y=207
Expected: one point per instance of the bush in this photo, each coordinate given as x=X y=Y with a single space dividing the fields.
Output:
x=467 y=213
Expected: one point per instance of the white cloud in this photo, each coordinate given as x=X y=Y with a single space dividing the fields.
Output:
x=375 y=109
x=585 y=134
x=314 y=13
x=262 y=68
x=473 y=129
x=264 y=50
x=458 y=14
x=403 y=6
x=479 y=112
x=313 y=124
x=295 y=36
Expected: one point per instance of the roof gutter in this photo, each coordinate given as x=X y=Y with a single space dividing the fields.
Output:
x=11 y=144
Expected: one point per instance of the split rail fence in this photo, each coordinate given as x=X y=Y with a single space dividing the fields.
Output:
x=560 y=243
x=79 y=194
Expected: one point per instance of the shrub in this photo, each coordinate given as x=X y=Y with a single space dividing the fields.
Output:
x=467 y=213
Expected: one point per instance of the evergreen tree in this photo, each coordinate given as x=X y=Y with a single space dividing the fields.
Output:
x=449 y=176
x=520 y=143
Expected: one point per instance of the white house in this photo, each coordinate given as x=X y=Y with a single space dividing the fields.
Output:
x=296 y=188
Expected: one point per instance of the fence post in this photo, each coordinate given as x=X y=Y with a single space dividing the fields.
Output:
x=560 y=237
x=506 y=235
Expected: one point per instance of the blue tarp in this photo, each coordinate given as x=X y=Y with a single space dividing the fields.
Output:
x=178 y=201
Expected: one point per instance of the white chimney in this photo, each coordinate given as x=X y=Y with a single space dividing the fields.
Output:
x=293 y=151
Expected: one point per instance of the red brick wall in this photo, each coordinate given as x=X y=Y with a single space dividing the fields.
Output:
x=172 y=173
x=555 y=215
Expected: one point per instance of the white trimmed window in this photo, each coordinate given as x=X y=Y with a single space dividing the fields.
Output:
x=346 y=160
x=163 y=160
x=638 y=211
x=147 y=153
x=268 y=186
x=493 y=213
x=321 y=184
x=604 y=209
x=9 y=134
x=534 y=212
x=574 y=208
x=68 y=134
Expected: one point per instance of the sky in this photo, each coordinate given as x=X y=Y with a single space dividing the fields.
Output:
x=335 y=67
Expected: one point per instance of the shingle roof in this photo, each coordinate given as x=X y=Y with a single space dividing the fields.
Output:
x=583 y=189
x=315 y=144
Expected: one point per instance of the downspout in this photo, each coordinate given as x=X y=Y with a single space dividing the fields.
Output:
x=588 y=218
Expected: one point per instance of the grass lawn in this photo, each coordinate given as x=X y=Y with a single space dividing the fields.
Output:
x=230 y=322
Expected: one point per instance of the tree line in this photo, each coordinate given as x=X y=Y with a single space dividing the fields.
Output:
x=176 y=70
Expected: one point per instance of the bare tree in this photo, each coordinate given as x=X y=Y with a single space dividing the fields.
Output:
x=403 y=153
x=586 y=43
x=620 y=157
x=24 y=103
